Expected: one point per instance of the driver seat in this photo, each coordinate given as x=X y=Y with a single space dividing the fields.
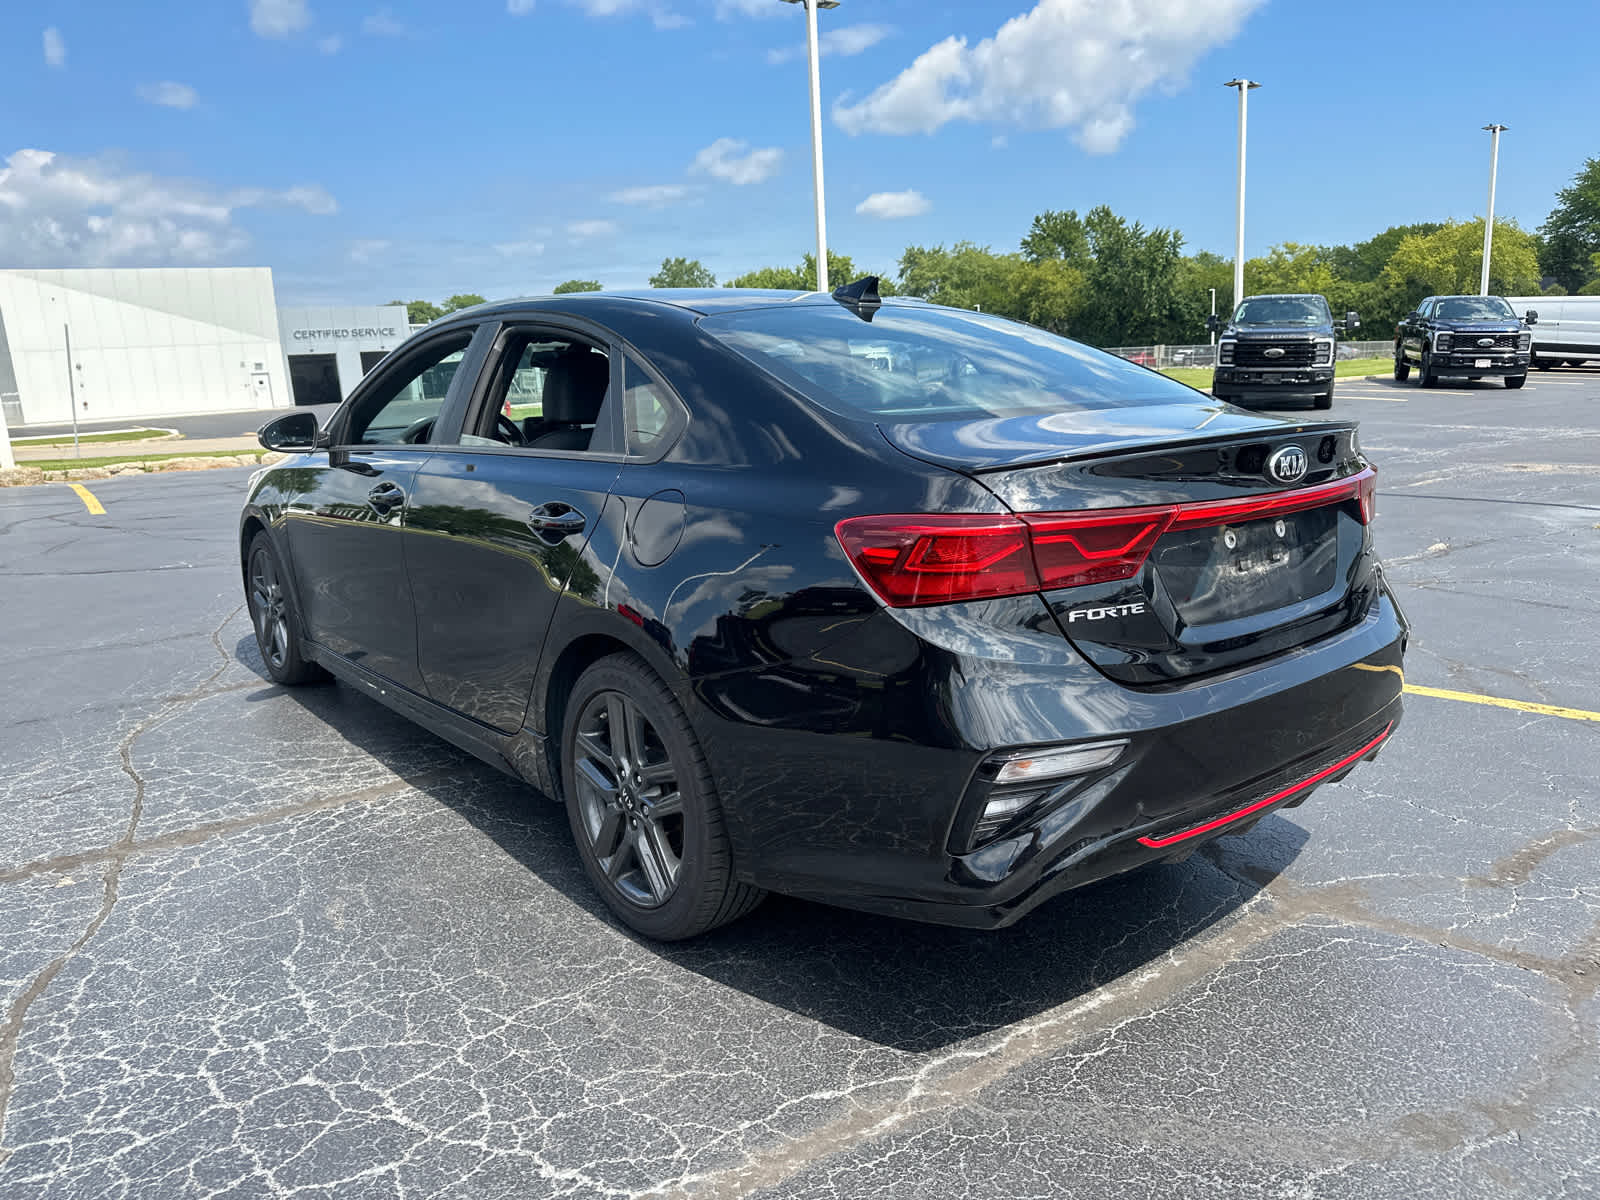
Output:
x=575 y=387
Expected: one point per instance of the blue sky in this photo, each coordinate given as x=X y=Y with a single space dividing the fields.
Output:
x=367 y=151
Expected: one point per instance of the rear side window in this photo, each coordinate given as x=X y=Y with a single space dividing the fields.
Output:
x=926 y=364
x=647 y=413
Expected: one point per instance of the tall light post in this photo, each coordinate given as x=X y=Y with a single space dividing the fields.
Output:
x=1213 y=292
x=1245 y=87
x=1494 y=132
x=811 y=7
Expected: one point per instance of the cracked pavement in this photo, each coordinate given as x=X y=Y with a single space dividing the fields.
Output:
x=262 y=943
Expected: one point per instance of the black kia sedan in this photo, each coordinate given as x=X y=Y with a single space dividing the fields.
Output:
x=893 y=606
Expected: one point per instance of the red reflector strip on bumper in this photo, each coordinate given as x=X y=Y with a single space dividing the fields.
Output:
x=1157 y=843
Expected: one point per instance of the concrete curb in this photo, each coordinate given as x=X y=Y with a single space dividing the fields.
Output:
x=25 y=476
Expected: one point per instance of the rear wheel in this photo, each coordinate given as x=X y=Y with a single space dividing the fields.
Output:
x=1574 y=362
x=1325 y=400
x=1402 y=369
x=1516 y=381
x=272 y=613
x=643 y=808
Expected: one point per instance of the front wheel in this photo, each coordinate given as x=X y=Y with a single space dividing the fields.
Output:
x=1429 y=379
x=1540 y=364
x=272 y=613
x=1325 y=400
x=643 y=807
x=1516 y=381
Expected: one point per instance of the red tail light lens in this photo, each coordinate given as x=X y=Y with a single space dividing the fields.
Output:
x=934 y=560
x=917 y=559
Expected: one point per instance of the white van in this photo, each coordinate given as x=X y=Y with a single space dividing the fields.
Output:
x=1568 y=329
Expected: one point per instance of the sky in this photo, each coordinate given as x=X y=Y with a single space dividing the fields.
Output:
x=409 y=149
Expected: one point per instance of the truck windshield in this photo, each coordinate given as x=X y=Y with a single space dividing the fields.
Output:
x=1284 y=310
x=1475 y=308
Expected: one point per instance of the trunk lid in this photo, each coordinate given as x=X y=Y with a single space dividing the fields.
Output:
x=1253 y=562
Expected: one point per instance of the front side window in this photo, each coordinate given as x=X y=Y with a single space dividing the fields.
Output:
x=404 y=402
x=1475 y=308
x=927 y=364
x=1284 y=310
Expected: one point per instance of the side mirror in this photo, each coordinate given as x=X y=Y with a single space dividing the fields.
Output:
x=1352 y=320
x=1531 y=316
x=1213 y=323
x=291 y=432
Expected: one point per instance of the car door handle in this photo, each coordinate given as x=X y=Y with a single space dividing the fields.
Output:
x=557 y=520
x=386 y=496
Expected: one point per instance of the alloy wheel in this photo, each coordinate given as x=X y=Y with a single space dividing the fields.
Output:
x=628 y=799
x=270 y=610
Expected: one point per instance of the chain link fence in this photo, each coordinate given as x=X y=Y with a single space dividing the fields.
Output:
x=1161 y=357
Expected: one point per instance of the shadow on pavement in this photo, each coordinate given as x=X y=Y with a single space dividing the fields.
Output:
x=911 y=987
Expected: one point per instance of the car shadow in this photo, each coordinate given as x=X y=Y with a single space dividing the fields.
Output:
x=911 y=987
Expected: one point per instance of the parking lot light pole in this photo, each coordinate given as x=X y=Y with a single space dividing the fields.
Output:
x=1494 y=132
x=811 y=7
x=1213 y=292
x=1245 y=87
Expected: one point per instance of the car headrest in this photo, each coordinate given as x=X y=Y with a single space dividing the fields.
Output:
x=575 y=387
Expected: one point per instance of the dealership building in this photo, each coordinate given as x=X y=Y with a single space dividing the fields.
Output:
x=141 y=343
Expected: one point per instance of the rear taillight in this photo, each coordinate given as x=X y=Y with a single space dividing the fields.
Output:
x=919 y=559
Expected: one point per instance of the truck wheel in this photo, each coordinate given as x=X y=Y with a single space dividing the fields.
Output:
x=1541 y=364
x=1429 y=379
x=1325 y=400
x=1402 y=369
x=1516 y=381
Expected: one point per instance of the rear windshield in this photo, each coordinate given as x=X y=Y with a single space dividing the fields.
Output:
x=1284 y=310
x=928 y=364
x=1474 y=308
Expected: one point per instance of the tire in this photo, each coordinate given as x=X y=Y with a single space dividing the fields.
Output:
x=1425 y=371
x=1402 y=369
x=1324 y=400
x=273 y=616
x=1540 y=364
x=643 y=809
x=1516 y=381
x=1574 y=362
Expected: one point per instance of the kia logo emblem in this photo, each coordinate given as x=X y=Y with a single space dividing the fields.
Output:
x=1274 y=352
x=1289 y=464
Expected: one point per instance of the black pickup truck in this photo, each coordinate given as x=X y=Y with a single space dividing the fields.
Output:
x=1475 y=336
x=1277 y=347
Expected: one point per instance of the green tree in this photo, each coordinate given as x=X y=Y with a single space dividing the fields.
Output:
x=576 y=285
x=965 y=276
x=420 y=312
x=683 y=273
x=464 y=300
x=1572 y=230
x=1291 y=268
x=1197 y=275
x=1057 y=235
x=1132 y=283
x=803 y=278
x=1365 y=261
x=1448 y=262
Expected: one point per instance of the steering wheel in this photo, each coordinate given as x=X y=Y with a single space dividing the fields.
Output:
x=511 y=429
x=418 y=431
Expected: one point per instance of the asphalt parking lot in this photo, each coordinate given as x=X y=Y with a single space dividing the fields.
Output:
x=256 y=942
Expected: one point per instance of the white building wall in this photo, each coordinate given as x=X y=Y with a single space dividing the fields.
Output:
x=145 y=342
x=344 y=333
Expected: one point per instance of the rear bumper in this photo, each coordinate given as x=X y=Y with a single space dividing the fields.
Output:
x=1202 y=760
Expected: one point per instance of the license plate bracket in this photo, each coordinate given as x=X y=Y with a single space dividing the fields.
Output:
x=1483 y=362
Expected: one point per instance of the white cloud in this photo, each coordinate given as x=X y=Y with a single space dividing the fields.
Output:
x=58 y=212
x=279 y=18
x=55 y=48
x=365 y=250
x=845 y=42
x=591 y=229
x=520 y=249
x=735 y=161
x=519 y=8
x=893 y=206
x=662 y=18
x=728 y=9
x=331 y=44
x=169 y=94
x=651 y=195
x=383 y=24
x=1078 y=64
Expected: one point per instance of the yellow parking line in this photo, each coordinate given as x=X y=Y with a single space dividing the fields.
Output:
x=1548 y=710
x=96 y=509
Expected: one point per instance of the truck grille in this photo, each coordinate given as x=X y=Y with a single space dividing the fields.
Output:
x=1466 y=343
x=1254 y=354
